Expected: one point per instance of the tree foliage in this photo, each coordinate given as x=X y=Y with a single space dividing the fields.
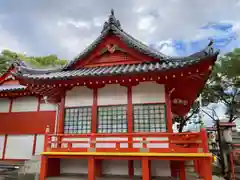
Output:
x=224 y=83
x=49 y=61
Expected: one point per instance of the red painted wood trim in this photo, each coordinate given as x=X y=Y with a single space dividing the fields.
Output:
x=10 y=105
x=94 y=110
x=61 y=115
x=146 y=168
x=168 y=111
x=34 y=144
x=6 y=136
x=91 y=168
x=130 y=109
x=22 y=122
x=4 y=146
x=35 y=135
x=182 y=172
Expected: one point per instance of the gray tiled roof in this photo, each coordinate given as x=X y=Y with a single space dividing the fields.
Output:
x=115 y=70
x=11 y=87
x=113 y=26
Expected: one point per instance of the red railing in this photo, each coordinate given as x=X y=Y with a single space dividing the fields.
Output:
x=234 y=162
x=128 y=142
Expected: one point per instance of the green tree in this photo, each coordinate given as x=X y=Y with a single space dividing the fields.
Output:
x=7 y=56
x=224 y=83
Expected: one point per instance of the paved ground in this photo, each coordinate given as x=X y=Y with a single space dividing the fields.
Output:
x=117 y=178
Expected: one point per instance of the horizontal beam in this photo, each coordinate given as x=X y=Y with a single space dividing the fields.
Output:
x=128 y=154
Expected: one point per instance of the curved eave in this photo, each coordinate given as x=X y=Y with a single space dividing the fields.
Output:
x=115 y=70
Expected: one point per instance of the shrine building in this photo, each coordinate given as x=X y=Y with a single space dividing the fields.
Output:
x=107 y=112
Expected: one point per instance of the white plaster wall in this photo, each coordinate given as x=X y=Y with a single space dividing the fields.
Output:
x=2 y=138
x=4 y=105
x=137 y=165
x=19 y=147
x=151 y=145
x=39 y=144
x=47 y=107
x=111 y=145
x=74 y=166
x=112 y=94
x=85 y=142
x=25 y=104
x=148 y=92
x=158 y=168
x=115 y=167
x=79 y=96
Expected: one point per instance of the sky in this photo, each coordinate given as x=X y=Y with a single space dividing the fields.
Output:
x=65 y=28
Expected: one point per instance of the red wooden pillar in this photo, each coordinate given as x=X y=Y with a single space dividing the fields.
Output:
x=61 y=107
x=146 y=168
x=168 y=110
x=130 y=127
x=6 y=135
x=206 y=168
x=43 y=168
x=98 y=162
x=182 y=172
x=91 y=168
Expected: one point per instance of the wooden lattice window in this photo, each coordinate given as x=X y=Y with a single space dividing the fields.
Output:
x=78 y=120
x=112 y=119
x=149 y=118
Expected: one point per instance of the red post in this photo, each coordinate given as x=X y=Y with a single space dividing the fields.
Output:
x=232 y=166
x=44 y=167
x=4 y=146
x=146 y=169
x=34 y=144
x=60 y=128
x=207 y=168
x=130 y=128
x=168 y=110
x=91 y=168
x=182 y=172
x=94 y=110
x=46 y=140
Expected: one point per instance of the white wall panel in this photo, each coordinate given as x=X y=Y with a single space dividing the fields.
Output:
x=2 y=138
x=79 y=96
x=19 y=147
x=47 y=107
x=115 y=167
x=160 y=168
x=25 y=104
x=112 y=94
x=4 y=105
x=74 y=166
x=148 y=92
x=83 y=142
x=39 y=144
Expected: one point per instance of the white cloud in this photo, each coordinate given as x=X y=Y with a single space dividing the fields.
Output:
x=8 y=41
x=149 y=21
x=147 y=24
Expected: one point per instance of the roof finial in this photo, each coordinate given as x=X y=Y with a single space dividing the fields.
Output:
x=112 y=21
x=112 y=12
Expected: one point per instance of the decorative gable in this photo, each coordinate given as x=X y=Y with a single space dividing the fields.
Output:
x=112 y=51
